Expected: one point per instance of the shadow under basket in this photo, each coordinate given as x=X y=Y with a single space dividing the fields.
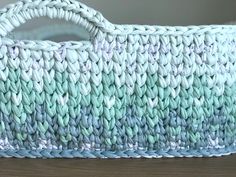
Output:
x=125 y=91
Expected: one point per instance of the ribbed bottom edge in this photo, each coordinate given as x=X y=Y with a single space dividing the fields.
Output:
x=116 y=154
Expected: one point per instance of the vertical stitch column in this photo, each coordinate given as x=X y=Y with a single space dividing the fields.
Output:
x=74 y=97
x=152 y=90
x=28 y=96
x=45 y=111
x=119 y=59
x=62 y=96
x=133 y=123
x=50 y=88
x=39 y=79
x=162 y=124
x=164 y=72
x=203 y=97
x=121 y=107
x=163 y=86
x=41 y=129
x=85 y=91
x=177 y=69
x=109 y=90
x=16 y=96
x=187 y=110
x=131 y=79
x=97 y=98
x=209 y=59
x=5 y=130
x=203 y=61
x=175 y=126
x=163 y=89
x=195 y=115
x=145 y=83
x=140 y=91
x=213 y=80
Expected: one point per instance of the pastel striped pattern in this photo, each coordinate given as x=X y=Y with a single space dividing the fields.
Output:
x=131 y=92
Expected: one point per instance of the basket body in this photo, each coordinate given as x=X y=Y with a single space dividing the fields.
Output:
x=132 y=91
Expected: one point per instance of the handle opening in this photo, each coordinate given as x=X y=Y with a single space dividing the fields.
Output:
x=45 y=29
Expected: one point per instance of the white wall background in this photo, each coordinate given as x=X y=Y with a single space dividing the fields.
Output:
x=166 y=12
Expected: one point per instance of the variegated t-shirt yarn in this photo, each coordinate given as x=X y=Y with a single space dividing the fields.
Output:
x=130 y=91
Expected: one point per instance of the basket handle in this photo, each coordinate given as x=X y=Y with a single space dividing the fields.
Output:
x=18 y=13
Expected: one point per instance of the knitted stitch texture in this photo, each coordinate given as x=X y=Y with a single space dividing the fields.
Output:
x=130 y=91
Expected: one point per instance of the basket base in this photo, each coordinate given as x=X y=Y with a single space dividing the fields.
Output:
x=117 y=154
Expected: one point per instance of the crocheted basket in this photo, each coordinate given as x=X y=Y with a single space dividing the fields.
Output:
x=130 y=91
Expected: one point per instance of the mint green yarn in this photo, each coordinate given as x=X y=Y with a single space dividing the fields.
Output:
x=129 y=91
